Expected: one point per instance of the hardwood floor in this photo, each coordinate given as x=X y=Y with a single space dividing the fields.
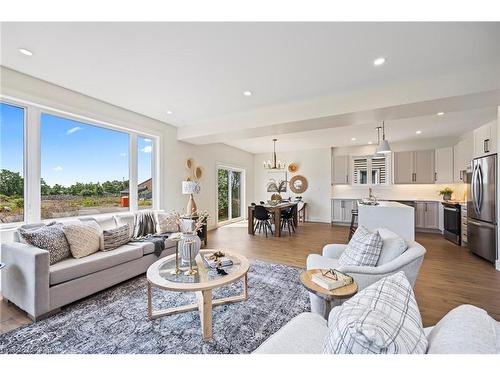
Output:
x=450 y=275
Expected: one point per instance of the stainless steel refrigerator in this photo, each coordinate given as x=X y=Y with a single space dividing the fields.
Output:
x=482 y=208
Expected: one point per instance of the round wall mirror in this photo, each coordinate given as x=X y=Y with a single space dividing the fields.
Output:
x=298 y=184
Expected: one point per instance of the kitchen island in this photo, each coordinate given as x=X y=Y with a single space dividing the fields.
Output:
x=396 y=217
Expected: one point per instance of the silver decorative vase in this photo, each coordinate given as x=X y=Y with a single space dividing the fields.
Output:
x=184 y=248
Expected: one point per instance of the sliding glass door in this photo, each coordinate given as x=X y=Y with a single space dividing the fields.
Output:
x=229 y=194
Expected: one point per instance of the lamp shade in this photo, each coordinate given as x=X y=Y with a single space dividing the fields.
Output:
x=190 y=187
x=383 y=147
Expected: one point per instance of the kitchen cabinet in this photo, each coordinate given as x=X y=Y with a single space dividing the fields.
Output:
x=427 y=215
x=414 y=167
x=341 y=170
x=443 y=162
x=485 y=140
x=463 y=152
x=342 y=210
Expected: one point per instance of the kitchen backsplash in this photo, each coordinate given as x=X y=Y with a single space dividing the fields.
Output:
x=400 y=192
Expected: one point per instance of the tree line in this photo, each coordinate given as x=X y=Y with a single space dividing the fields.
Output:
x=12 y=185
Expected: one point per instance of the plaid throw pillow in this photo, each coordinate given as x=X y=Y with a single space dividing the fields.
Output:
x=381 y=319
x=363 y=249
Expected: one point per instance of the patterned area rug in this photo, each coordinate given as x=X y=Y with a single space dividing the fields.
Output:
x=115 y=320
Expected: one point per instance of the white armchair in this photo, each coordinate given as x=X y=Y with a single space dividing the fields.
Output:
x=409 y=262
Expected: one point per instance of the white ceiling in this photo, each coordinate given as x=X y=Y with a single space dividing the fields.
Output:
x=199 y=70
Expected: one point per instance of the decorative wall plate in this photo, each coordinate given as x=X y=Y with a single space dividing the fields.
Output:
x=198 y=173
x=293 y=167
x=189 y=164
x=298 y=184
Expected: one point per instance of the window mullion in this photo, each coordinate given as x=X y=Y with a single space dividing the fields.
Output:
x=133 y=173
x=32 y=166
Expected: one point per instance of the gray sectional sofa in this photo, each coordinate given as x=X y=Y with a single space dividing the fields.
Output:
x=40 y=289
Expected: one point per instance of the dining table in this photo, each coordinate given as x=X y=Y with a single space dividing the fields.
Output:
x=275 y=211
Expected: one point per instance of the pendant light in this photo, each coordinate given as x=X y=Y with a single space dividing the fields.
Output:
x=274 y=164
x=383 y=147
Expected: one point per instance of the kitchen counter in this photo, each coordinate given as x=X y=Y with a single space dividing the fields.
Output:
x=397 y=217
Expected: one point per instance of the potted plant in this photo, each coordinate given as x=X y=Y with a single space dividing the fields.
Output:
x=446 y=193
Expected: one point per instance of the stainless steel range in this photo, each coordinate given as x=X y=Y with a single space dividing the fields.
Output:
x=452 y=222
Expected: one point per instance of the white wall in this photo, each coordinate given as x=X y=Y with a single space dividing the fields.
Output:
x=314 y=165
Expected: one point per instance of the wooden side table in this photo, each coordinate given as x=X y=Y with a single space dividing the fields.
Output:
x=328 y=296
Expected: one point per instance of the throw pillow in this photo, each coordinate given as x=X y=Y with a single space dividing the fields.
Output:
x=363 y=249
x=114 y=238
x=83 y=238
x=393 y=246
x=464 y=330
x=50 y=237
x=165 y=223
x=381 y=319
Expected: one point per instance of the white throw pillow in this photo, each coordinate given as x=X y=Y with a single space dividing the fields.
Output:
x=393 y=246
x=83 y=238
x=363 y=249
x=464 y=330
x=381 y=319
x=164 y=224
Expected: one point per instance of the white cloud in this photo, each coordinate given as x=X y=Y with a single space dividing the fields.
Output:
x=73 y=130
x=58 y=169
x=123 y=154
x=147 y=140
x=147 y=149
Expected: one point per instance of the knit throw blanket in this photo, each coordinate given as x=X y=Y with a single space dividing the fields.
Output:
x=145 y=229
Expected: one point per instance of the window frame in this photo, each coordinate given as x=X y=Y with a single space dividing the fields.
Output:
x=32 y=158
x=243 y=194
x=369 y=170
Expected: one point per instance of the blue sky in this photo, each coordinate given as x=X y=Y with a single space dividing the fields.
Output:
x=72 y=151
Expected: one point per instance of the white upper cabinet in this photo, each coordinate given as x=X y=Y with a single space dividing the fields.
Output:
x=463 y=152
x=341 y=169
x=444 y=165
x=414 y=167
x=485 y=140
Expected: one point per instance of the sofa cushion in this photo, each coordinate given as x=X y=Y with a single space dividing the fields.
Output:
x=126 y=218
x=381 y=319
x=393 y=246
x=363 y=249
x=49 y=237
x=72 y=268
x=464 y=330
x=304 y=334
x=83 y=238
x=117 y=237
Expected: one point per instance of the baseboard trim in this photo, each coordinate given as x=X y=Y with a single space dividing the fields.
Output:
x=497 y=265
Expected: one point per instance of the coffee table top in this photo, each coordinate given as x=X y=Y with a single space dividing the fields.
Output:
x=339 y=293
x=159 y=274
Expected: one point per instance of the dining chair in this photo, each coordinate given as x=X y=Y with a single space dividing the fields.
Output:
x=287 y=219
x=263 y=219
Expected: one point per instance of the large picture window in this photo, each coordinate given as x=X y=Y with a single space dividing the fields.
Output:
x=144 y=172
x=84 y=168
x=11 y=163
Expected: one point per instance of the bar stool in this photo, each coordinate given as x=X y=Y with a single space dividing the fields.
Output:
x=354 y=224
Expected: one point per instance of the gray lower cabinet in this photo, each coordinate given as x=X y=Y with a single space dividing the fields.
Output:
x=341 y=210
x=427 y=215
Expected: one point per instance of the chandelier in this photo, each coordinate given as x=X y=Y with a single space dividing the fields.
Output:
x=274 y=164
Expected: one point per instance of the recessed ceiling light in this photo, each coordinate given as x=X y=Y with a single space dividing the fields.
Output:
x=418 y=132
x=440 y=113
x=247 y=93
x=353 y=139
x=370 y=143
x=379 y=61
x=25 y=51
x=169 y=112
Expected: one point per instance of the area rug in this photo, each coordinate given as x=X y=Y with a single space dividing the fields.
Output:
x=115 y=320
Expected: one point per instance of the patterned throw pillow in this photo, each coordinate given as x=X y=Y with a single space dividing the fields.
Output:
x=83 y=238
x=114 y=238
x=363 y=249
x=50 y=237
x=382 y=319
x=165 y=224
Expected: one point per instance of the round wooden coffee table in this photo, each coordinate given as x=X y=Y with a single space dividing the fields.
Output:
x=160 y=275
x=327 y=295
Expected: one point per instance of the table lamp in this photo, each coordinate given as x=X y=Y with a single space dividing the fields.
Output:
x=190 y=187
